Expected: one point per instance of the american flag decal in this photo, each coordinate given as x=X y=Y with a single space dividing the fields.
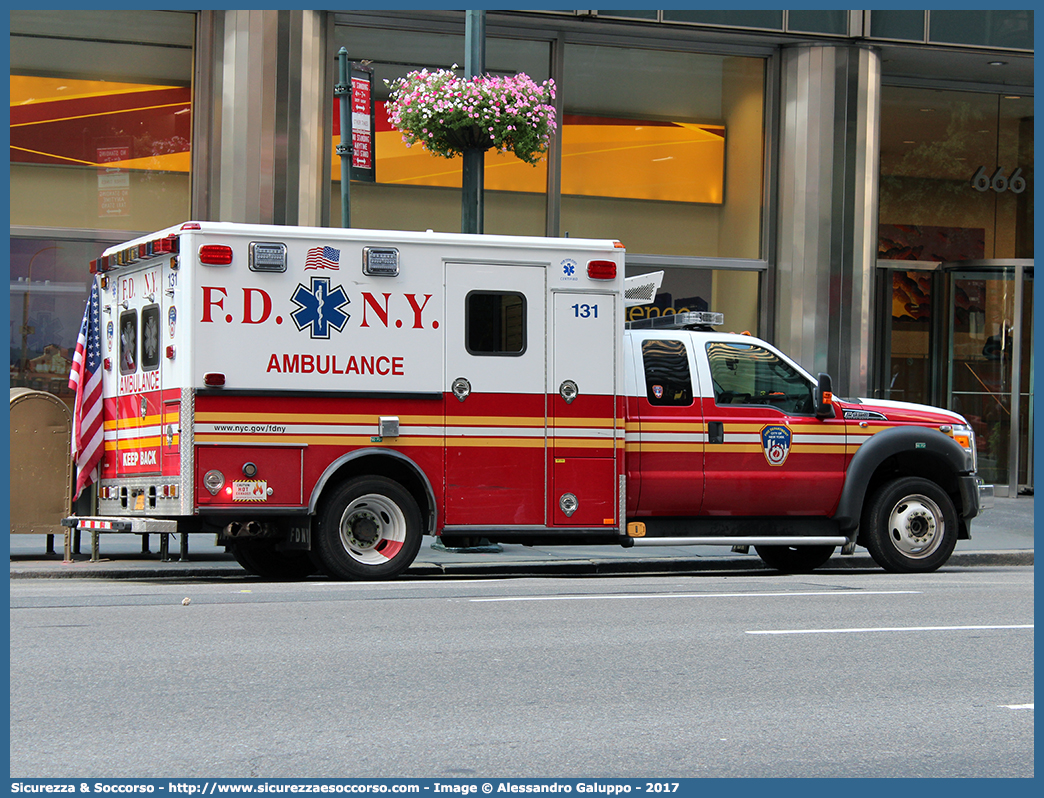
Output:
x=323 y=258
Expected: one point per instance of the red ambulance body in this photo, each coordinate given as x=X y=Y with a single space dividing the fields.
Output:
x=321 y=399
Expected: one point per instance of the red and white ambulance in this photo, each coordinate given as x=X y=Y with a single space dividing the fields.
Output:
x=321 y=399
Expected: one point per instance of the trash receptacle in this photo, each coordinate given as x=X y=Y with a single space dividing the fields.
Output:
x=41 y=463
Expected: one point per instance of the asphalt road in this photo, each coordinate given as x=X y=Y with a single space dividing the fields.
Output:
x=844 y=673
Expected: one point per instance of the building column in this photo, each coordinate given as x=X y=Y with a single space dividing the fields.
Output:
x=828 y=179
x=261 y=147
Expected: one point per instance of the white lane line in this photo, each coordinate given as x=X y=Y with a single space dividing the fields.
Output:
x=1016 y=706
x=703 y=595
x=883 y=629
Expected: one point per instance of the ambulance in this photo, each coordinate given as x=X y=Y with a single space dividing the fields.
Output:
x=322 y=399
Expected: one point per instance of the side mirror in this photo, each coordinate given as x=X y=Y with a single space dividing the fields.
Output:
x=823 y=398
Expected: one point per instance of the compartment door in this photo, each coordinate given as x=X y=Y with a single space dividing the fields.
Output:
x=586 y=420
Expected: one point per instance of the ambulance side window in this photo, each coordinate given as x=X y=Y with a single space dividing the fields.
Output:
x=150 y=338
x=495 y=323
x=128 y=342
x=667 y=377
x=744 y=374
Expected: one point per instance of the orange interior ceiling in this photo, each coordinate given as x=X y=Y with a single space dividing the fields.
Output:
x=146 y=127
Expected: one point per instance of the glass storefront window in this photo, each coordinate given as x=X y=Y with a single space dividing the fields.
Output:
x=831 y=22
x=895 y=24
x=415 y=190
x=101 y=118
x=733 y=293
x=663 y=150
x=980 y=378
x=767 y=18
x=1008 y=29
x=49 y=287
x=955 y=166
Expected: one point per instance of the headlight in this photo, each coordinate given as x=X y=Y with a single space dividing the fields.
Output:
x=965 y=437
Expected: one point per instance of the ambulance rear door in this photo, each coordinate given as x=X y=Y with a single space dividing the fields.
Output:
x=137 y=330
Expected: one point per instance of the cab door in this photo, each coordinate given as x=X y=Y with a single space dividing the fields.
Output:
x=767 y=454
x=667 y=469
x=495 y=409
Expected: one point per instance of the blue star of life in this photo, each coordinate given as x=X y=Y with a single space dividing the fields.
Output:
x=319 y=307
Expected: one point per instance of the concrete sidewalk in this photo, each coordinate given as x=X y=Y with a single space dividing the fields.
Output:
x=1003 y=535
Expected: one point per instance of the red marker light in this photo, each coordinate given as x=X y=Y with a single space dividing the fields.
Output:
x=214 y=379
x=215 y=254
x=601 y=270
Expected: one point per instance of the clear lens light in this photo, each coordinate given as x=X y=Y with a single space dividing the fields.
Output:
x=964 y=436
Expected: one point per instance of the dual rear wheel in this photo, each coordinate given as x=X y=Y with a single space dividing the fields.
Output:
x=368 y=528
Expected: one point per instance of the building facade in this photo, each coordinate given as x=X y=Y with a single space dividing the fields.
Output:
x=855 y=186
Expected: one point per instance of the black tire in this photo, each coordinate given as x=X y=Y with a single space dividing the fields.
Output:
x=909 y=525
x=794 y=559
x=261 y=558
x=369 y=528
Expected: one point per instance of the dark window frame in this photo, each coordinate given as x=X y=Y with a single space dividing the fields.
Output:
x=470 y=345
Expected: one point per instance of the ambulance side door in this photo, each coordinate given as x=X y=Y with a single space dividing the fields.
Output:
x=495 y=408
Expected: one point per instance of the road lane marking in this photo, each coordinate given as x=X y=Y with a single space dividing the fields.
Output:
x=1016 y=706
x=703 y=595
x=883 y=629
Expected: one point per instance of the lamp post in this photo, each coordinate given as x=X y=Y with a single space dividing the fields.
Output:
x=473 y=171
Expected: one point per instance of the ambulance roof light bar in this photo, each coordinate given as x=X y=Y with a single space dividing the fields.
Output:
x=686 y=320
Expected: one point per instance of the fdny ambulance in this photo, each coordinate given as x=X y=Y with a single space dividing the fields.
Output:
x=321 y=399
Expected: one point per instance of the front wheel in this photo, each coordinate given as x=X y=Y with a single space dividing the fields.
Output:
x=794 y=559
x=910 y=525
x=370 y=528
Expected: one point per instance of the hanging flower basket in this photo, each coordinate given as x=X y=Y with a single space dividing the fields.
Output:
x=448 y=114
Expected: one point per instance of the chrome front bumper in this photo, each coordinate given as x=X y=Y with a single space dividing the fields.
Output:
x=985 y=494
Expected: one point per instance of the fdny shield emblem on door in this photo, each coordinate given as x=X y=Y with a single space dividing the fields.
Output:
x=775 y=441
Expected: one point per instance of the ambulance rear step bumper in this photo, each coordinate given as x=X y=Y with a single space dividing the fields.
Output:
x=765 y=540
x=164 y=527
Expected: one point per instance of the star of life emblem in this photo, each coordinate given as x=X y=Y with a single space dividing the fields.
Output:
x=319 y=307
x=775 y=441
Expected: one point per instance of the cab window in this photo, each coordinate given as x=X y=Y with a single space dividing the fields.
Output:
x=746 y=374
x=667 y=378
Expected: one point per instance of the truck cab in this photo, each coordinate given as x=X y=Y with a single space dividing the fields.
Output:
x=731 y=441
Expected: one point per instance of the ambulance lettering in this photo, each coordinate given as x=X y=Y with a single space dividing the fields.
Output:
x=140 y=382
x=379 y=307
x=320 y=306
x=381 y=365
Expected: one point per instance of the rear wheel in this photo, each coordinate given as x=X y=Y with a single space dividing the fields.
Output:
x=794 y=559
x=261 y=558
x=910 y=525
x=369 y=528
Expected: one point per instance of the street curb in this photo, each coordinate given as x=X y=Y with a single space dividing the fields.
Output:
x=585 y=567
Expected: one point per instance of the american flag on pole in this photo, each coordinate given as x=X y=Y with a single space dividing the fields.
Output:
x=323 y=258
x=85 y=379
